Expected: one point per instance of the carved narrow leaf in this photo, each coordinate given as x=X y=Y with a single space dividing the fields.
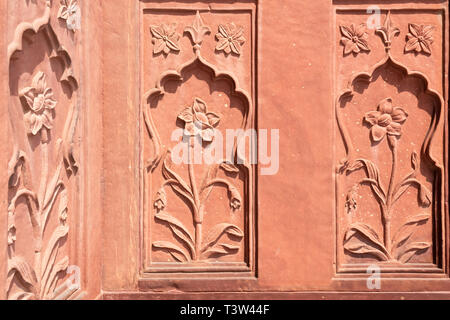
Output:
x=176 y=252
x=21 y=266
x=222 y=249
x=411 y=250
x=408 y=229
x=216 y=233
x=369 y=234
x=178 y=229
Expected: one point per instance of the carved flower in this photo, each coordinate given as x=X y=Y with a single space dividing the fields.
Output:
x=420 y=38
x=69 y=11
x=161 y=200
x=387 y=120
x=39 y=99
x=230 y=38
x=236 y=200
x=354 y=38
x=165 y=38
x=198 y=121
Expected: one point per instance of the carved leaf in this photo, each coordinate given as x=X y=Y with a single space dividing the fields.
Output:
x=183 y=187
x=408 y=229
x=216 y=233
x=229 y=167
x=178 y=229
x=375 y=246
x=222 y=249
x=411 y=250
x=52 y=250
x=176 y=252
x=61 y=266
x=21 y=266
x=373 y=174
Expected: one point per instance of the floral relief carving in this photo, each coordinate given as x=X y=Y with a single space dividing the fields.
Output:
x=230 y=38
x=165 y=38
x=40 y=100
x=198 y=123
x=390 y=234
x=70 y=12
x=387 y=121
x=419 y=38
x=207 y=229
x=388 y=31
x=354 y=38
x=39 y=187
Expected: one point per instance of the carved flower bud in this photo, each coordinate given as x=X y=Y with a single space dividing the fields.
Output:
x=161 y=200
x=11 y=234
x=235 y=198
x=425 y=196
x=11 y=228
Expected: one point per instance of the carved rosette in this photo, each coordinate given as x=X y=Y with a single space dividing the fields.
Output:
x=199 y=212
x=43 y=114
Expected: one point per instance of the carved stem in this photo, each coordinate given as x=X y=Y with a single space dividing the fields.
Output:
x=387 y=214
x=198 y=214
x=41 y=199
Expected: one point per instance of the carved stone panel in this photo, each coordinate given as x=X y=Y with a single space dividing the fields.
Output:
x=390 y=130
x=197 y=84
x=43 y=202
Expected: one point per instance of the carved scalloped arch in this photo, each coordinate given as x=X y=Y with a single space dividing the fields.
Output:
x=367 y=77
x=176 y=75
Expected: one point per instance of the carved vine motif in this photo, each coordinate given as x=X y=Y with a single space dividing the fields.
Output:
x=46 y=206
x=230 y=38
x=420 y=38
x=199 y=124
x=165 y=38
x=354 y=38
x=387 y=122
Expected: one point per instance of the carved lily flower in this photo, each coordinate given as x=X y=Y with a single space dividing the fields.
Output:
x=354 y=38
x=230 y=38
x=420 y=38
x=161 y=200
x=387 y=120
x=39 y=99
x=165 y=38
x=198 y=121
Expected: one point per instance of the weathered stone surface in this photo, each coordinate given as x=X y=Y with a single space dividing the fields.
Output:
x=100 y=96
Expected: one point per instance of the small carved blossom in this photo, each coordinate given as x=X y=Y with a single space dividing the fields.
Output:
x=230 y=38
x=11 y=235
x=39 y=99
x=198 y=121
x=161 y=200
x=387 y=120
x=350 y=203
x=165 y=38
x=420 y=38
x=354 y=38
x=69 y=11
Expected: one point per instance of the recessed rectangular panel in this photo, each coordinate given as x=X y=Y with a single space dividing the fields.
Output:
x=390 y=129
x=197 y=84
